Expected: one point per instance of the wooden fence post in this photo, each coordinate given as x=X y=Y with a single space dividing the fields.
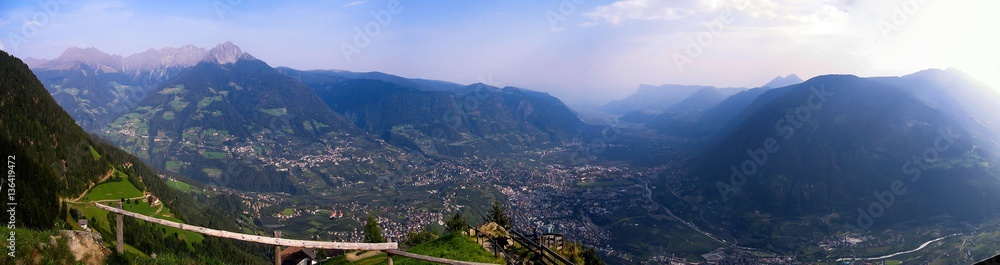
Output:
x=277 y=249
x=120 y=240
x=388 y=256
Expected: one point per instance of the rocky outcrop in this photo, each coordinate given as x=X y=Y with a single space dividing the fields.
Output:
x=87 y=247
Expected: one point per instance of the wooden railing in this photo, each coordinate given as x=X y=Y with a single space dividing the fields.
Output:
x=255 y=238
x=480 y=234
x=391 y=249
x=546 y=253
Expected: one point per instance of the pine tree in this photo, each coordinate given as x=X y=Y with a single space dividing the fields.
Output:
x=456 y=223
x=499 y=215
x=373 y=231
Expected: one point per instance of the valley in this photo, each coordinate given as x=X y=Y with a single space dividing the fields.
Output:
x=313 y=154
x=500 y=132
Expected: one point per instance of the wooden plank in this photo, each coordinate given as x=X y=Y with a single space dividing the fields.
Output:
x=256 y=238
x=432 y=259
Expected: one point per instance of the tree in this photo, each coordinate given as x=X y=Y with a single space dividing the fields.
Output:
x=590 y=257
x=373 y=231
x=457 y=222
x=499 y=215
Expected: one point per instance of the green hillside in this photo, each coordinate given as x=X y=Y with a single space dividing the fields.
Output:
x=55 y=164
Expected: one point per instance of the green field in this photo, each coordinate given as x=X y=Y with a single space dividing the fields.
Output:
x=178 y=104
x=212 y=172
x=94 y=153
x=214 y=155
x=173 y=166
x=172 y=90
x=179 y=185
x=113 y=191
x=141 y=207
x=275 y=112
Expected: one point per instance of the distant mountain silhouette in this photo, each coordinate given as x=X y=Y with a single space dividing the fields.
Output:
x=827 y=145
x=779 y=81
x=447 y=120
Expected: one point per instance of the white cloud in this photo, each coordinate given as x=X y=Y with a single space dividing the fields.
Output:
x=622 y=11
x=355 y=3
x=763 y=12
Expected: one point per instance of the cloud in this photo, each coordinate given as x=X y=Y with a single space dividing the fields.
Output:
x=784 y=12
x=622 y=11
x=355 y=3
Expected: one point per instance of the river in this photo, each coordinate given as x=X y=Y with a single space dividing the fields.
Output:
x=922 y=246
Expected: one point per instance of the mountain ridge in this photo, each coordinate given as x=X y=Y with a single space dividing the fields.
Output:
x=851 y=145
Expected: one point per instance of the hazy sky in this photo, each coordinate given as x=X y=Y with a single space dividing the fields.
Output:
x=579 y=50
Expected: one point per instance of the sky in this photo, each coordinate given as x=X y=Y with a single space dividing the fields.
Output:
x=583 y=51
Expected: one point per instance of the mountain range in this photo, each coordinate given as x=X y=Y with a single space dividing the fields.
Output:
x=789 y=164
x=228 y=113
x=232 y=113
x=655 y=99
x=442 y=117
x=95 y=87
x=843 y=153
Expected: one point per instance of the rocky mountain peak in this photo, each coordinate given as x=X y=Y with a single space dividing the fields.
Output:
x=224 y=53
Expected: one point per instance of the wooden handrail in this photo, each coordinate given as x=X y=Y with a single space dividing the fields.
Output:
x=531 y=244
x=389 y=248
x=256 y=238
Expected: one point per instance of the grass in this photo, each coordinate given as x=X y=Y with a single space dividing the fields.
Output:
x=168 y=115
x=113 y=191
x=144 y=208
x=173 y=166
x=100 y=216
x=179 y=105
x=141 y=207
x=172 y=90
x=214 y=155
x=94 y=153
x=275 y=112
x=204 y=102
x=29 y=246
x=179 y=185
x=456 y=246
x=212 y=172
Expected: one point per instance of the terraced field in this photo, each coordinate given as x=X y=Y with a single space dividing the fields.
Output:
x=135 y=202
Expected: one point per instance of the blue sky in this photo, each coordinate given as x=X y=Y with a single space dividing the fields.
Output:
x=579 y=50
